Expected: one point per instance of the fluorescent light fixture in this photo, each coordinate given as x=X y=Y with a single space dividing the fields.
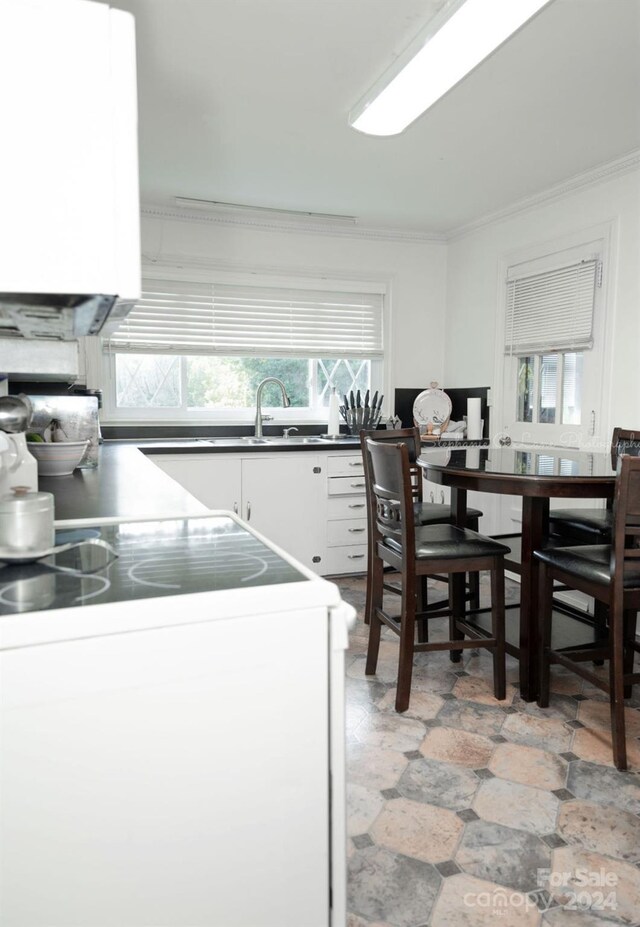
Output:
x=459 y=37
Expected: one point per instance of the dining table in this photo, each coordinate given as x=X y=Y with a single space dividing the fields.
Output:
x=537 y=474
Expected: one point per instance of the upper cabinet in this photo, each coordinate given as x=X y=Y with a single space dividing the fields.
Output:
x=68 y=162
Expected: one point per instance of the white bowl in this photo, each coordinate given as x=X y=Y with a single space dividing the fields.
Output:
x=59 y=458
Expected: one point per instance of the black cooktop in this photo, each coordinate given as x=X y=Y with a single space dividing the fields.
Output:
x=139 y=560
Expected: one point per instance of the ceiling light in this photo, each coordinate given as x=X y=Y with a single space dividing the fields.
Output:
x=462 y=35
x=216 y=206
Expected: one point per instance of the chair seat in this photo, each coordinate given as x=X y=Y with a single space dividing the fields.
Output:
x=449 y=543
x=591 y=525
x=591 y=562
x=436 y=513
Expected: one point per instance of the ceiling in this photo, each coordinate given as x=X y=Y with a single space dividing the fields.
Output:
x=246 y=101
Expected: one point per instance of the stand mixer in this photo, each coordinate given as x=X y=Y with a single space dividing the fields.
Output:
x=17 y=466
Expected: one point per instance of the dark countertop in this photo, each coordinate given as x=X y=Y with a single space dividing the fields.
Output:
x=125 y=484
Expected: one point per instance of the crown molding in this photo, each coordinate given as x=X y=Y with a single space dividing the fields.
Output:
x=607 y=171
x=301 y=226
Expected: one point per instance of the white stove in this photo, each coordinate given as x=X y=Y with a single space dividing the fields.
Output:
x=171 y=712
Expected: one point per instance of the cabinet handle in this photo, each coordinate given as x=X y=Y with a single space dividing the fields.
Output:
x=356 y=505
x=235 y=508
x=356 y=463
x=431 y=496
x=442 y=496
x=248 y=511
x=357 y=485
x=355 y=530
x=355 y=556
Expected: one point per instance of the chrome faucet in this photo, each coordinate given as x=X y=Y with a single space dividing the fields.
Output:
x=285 y=401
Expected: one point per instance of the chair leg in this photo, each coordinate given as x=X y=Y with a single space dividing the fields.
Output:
x=423 y=601
x=457 y=596
x=600 y=616
x=544 y=643
x=375 y=625
x=474 y=590
x=367 y=604
x=407 y=634
x=616 y=681
x=497 y=630
x=630 y=618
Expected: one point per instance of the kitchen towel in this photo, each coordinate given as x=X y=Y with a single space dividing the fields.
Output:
x=474 y=425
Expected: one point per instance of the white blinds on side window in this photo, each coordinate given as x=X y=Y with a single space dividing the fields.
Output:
x=551 y=311
x=181 y=317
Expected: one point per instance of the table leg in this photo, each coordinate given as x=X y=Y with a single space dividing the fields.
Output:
x=535 y=523
x=458 y=580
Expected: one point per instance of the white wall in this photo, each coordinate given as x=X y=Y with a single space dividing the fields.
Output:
x=472 y=286
x=415 y=269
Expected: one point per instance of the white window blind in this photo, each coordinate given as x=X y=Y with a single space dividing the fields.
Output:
x=212 y=318
x=551 y=311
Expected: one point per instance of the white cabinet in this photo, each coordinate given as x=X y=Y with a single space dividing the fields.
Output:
x=70 y=202
x=346 y=515
x=280 y=495
x=215 y=480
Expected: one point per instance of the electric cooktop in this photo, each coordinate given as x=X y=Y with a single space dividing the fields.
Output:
x=139 y=560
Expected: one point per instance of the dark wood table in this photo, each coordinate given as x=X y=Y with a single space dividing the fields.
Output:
x=536 y=474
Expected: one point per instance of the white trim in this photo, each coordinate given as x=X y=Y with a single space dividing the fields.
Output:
x=301 y=226
x=608 y=170
x=606 y=235
x=591 y=178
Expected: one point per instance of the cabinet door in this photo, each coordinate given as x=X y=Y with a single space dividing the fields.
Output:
x=212 y=478
x=282 y=498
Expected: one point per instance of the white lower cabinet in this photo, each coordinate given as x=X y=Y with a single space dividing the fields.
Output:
x=280 y=495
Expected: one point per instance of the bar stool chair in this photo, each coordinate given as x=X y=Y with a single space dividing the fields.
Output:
x=425 y=513
x=593 y=525
x=416 y=551
x=611 y=574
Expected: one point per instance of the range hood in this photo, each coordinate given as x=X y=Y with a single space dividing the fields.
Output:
x=57 y=316
x=69 y=201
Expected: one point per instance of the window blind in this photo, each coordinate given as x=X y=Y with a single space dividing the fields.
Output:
x=181 y=317
x=551 y=311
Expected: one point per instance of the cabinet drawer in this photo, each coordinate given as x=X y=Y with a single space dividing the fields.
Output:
x=346 y=533
x=345 y=507
x=346 y=485
x=345 y=560
x=345 y=465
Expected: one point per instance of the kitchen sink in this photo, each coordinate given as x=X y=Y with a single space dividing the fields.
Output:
x=294 y=439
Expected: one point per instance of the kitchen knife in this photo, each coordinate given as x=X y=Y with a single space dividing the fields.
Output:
x=358 y=403
x=352 y=402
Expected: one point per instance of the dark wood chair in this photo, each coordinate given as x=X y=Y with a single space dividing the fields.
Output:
x=610 y=573
x=425 y=513
x=593 y=525
x=415 y=551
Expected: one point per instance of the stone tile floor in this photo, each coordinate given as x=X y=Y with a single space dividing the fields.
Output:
x=468 y=812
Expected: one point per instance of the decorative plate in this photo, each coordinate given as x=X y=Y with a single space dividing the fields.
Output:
x=432 y=407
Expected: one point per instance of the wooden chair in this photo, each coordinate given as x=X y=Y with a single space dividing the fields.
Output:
x=425 y=513
x=611 y=574
x=416 y=551
x=593 y=525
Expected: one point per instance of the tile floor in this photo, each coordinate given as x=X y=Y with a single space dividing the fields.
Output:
x=468 y=812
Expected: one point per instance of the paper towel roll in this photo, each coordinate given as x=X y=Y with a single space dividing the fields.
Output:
x=333 y=427
x=472 y=458
x=474 y=425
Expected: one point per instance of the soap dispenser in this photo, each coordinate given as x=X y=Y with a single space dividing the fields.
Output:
x=333 y=428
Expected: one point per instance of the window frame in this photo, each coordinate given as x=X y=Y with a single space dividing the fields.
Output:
x=101 y=361
x=593 y=432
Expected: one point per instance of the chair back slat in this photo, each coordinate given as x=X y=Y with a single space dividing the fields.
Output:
x=390 y=481
x=625 y=549
x=624 y=441
x=411 y=438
